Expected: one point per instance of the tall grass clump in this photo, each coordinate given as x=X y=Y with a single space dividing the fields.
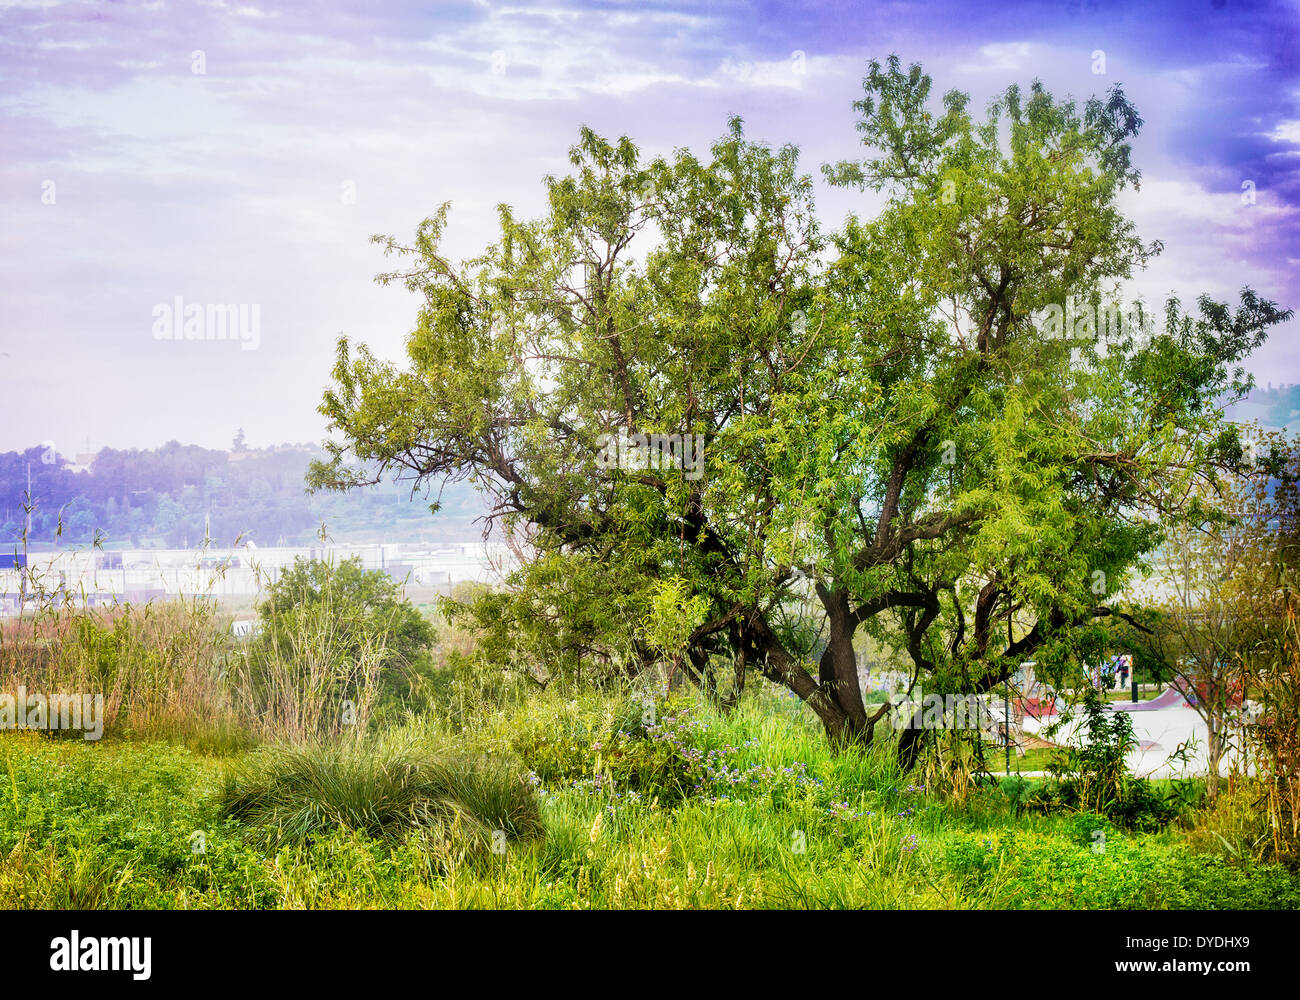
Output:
x=1275 y=736
x=159 y=667
x=387 y=787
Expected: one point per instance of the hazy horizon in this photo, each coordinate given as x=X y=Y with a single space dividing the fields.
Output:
x=244 y=154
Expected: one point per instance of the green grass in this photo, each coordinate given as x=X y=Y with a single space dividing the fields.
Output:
x=757 y=814
x=383 y=788
x=1036 y=759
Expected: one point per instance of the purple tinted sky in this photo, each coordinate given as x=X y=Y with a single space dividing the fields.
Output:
x=228 y=186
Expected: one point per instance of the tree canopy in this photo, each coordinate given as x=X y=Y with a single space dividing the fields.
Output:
x=893 y=439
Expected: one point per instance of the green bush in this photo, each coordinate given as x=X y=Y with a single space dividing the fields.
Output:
x=1137 y=805
x=370 y=601
x=386 y=788
x=1092 y=777
x=337 y=643
x=606 y=760
x=972 y=859
x=1084 y=828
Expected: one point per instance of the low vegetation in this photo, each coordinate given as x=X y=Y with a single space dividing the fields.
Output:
x=384 y=788
x=462 y=785
x=701 y=810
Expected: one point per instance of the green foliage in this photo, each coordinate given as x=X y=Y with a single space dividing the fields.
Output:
x=1093 y=766
x=114 y=824
x=369 y=603
x=104 y=644
x=893 y=442
x=1091 y=775
x=673 y=617
x=972 y=859
x=644 y=768
x=1017 y=791
x=643 y=750
x=337 y=642
x=89 y=826
x=384 y=788
x=1128 y=874
x=564 y=617
x=1237 y=825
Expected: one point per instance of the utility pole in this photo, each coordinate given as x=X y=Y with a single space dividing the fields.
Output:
x=1006 y=720
x=27 y=530
x=1021 y=682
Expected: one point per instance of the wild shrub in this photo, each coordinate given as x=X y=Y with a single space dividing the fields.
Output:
x=615 y=756
x=1090 y=775
x=387 y=788
x=334 y=637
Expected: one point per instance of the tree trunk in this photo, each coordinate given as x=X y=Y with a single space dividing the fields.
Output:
x=838 y=677
x=766 y=652
x=1214 y=748
x=911 y=742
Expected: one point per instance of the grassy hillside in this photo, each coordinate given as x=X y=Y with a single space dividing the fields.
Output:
x=312 y=766
x=703 y=811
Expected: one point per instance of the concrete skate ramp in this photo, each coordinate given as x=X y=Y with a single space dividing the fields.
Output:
x=1038 y=708
x=1168 y=699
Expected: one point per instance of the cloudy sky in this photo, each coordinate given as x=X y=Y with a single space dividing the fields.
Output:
x=229 y=152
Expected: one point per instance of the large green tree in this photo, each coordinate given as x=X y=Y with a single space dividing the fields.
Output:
x=894 y=440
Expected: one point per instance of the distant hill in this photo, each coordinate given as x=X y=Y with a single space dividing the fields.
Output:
x=170 y=496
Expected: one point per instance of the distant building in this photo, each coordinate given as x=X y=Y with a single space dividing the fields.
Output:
x=93 y=577
x=83 y=462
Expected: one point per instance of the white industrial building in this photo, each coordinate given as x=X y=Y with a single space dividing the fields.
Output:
x=93 y=577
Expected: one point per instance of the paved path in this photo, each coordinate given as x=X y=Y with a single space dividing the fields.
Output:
x=1160 y=732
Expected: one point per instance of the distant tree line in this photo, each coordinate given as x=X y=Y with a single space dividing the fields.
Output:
x=175 y=495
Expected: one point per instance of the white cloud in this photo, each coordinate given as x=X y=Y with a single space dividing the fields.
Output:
x=1287 y=131
x=789 y=73
x=1001 y=56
